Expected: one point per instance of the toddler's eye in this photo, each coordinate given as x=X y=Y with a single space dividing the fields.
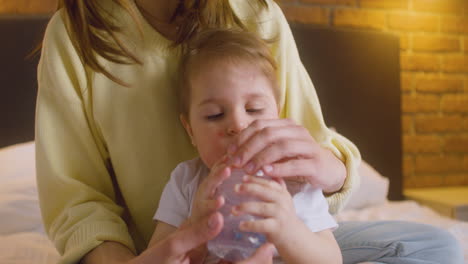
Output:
x=254 y=110
x=215 y=116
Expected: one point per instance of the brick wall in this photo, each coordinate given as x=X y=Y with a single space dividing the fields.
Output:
x=434 y=72
x=27 y=6
x=434 y=76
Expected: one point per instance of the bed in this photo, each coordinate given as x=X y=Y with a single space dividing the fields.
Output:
x=356 y=74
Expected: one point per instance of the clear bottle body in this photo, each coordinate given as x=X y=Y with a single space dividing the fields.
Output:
x=232 y=244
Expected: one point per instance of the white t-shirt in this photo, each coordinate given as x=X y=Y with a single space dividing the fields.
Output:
x=175 y=205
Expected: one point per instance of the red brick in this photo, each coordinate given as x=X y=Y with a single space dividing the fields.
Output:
x=359 y=18
x=421 y=144
x=456 y=179
x=456 y=143
x=331 y=2
x=406 y=123
x=420 y=103
x=27 y=6
x=435 y=123
x=436 y=84
x=454 y=24
x=413 y=22
x=436 y=43
x=465 y=45
x=455 y=103
x=438 y=164
x=307 y=14
x=8 y=7
x=419 y=62
x=455 y=64
x=387 y=4
x=439 y=6
x=404 y=42
x=407 y=81
x=425 y=181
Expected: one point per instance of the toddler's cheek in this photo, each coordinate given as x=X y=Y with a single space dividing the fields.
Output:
x=220 y=133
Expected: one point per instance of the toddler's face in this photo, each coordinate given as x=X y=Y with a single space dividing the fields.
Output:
x=225 y=99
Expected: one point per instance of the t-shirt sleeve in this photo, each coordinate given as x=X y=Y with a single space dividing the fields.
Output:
x=312 y=208
x=174 y=205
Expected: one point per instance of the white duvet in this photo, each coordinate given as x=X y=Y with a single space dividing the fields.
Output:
x=23 y=240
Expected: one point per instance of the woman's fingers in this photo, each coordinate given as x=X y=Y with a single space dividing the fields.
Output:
x=272 y=141
x=301 y=168
x=259 y=125
x=192 y=235
x=263 y=255
x=283 y=149
x=239 y=150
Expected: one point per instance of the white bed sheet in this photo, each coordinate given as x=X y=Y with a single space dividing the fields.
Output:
x=23 y=240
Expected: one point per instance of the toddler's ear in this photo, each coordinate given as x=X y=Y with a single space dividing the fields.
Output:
x=188 y=128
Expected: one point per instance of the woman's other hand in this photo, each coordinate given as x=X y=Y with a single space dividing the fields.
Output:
x=281 y=148
x=176 y=247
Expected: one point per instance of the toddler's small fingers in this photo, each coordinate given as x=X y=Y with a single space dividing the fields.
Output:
x=261 y=209
x=264 y=226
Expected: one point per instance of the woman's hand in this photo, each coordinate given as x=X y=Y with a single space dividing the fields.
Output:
x=275 y=205
x=176 y=247
x=282 y=148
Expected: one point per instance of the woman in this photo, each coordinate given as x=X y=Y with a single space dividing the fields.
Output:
x=107 y=134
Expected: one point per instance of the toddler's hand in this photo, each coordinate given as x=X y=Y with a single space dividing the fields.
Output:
x=205 y=201
x=275 y=206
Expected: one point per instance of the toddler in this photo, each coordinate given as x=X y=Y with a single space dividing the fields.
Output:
x=229 y=82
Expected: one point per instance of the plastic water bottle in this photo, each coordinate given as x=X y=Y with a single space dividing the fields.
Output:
x=232 y=244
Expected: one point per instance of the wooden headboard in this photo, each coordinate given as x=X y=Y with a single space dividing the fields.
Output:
x=357 y=78
x=356 y=75
x=20 y=35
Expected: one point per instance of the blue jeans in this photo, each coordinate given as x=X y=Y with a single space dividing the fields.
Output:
x=396 y=242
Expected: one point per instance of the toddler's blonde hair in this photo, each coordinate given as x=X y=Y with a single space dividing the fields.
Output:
x=225 y=46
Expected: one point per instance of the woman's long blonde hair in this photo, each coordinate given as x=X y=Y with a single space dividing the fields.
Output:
x=88 y=22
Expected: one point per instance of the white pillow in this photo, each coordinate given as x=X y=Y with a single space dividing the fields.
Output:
x=373 y=188
x=19 y=203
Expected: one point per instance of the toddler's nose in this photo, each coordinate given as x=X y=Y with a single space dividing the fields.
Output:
x=235 y=128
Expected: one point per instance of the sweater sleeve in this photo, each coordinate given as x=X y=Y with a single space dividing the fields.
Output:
x=74 y=175
x=300 y=102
